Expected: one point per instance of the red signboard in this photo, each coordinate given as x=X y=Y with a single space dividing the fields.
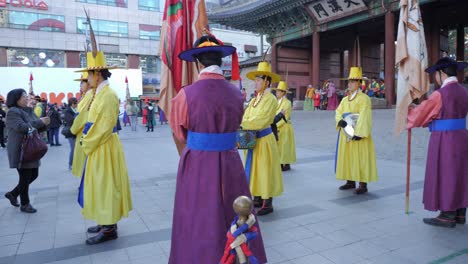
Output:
x=34 y=4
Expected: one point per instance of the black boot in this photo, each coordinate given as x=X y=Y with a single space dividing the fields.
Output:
x=107 y=232
x=97 y=228
x=348 y=185
x=94 y=229
x=28 y=209
x=12 y=198
x=285 y=167
x=267 y=207
x=147 y=129
x=362 y=188
x=461 y=216
x=445 y=219
x=257 y=201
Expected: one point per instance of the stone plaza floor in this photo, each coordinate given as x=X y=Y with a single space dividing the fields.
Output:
x=313 y=222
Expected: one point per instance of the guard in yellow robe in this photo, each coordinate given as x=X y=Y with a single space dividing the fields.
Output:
x=286 y=142
x=355 y=159
x=105 y=189
x=262 y=166
x=78 y=124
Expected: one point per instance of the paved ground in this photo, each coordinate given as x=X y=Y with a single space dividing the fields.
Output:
x=313 y=221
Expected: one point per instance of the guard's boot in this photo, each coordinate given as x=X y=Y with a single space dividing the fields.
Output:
x=257 y=201
x=286 y=167
x=107 y=232
x=461 y=216
x=94 y=229
x=362 y=188
x=267 y=207
x=445 y=219
x=97 y=228
x=282 y=167
x=348 y=185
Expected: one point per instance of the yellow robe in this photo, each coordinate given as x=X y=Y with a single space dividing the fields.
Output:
x=356 y=158
x=77 y=129
x=286 y=142
x=107 y=195
x=266 y=179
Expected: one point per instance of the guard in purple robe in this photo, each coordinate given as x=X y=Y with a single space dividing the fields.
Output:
x=446 y=182
x=206 y=116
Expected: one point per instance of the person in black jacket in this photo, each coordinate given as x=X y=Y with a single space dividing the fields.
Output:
x=69 y=115
x=2 y=124
x=20 y=119
x=55 y=123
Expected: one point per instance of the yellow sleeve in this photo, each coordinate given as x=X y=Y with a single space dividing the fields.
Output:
x=79 y=122
x=105 y=119
x=286 y=106
x=339 y=112
x=364 y=123
x=261 y=116
x=38 y=111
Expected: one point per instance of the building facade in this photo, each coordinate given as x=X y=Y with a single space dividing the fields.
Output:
x=51 y=33
x=316 y=40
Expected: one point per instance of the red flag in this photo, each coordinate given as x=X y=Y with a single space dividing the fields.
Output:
x=31 y=78
x=126 y=79
x=183 y=23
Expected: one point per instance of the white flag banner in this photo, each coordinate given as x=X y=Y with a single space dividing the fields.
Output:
x=411 y=59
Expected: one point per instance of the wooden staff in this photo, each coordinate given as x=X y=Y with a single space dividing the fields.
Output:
x=408 y=171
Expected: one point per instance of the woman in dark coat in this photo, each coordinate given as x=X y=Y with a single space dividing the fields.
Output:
x=55 y=123
x=150 y=119
x=19 y=120
x=69 y=115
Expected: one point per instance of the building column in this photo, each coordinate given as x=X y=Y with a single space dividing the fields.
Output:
x=73 y=59
x=133 y=61
x=460 y=49
x=315 y=59
x=273 y=57
x=389 y=71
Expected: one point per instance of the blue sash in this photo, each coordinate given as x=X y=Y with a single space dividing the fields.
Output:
x=88 y=125
x=211 y=141
x=248 y=161
x=447 y=125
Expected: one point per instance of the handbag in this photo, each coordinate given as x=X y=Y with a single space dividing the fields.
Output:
x=66 y=132
x=246 y=139
x=33 y=148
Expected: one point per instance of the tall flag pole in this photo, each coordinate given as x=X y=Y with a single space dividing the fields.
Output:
x=183 y=23
x=411 y=59
x=31 y=78
x=127 y=90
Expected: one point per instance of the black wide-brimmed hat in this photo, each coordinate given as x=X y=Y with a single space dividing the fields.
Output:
x=206 y=44
x=446 y=62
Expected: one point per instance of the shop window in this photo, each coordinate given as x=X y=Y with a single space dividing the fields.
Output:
x=103 y=27
x=117 y=3
x=150 y=32
x=32 y=21
x=35 y=58
x=148 y=5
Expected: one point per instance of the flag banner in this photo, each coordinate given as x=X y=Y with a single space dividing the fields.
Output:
x=411 y=60
x=183 y=23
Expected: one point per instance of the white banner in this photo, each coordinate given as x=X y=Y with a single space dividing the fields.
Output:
x=57 y=85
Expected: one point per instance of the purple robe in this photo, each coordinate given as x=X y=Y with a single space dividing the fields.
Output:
x=446 y=183
x=209 y=181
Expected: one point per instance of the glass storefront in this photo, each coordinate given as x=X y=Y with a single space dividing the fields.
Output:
x=151 y=70
x=35 y=58
x=32 y=21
